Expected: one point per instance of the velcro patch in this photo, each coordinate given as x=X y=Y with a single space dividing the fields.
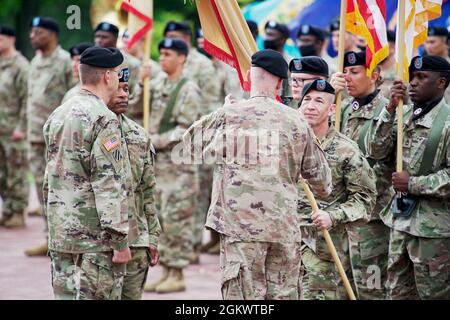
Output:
x=111 y=142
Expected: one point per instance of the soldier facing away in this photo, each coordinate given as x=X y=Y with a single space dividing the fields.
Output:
x=85 y=188
x=255 y=189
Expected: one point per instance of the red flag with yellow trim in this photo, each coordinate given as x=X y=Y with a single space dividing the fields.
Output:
x=227 y=36
x=140 y=19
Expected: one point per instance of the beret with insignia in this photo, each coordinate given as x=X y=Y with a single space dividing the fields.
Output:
x=334 y=26
x=318 y=85
x=174 y=44
x=282 y=28
x=272 y=61
x=78 y=49
x=46 y=23
x=352 y=59
x=7 y=31
x=124 y=75
x=181 y=26
x=308 y=30
x=391 y=36
x=310 y=65
x=108 y=27
x=102 y=57
x=438 y=32
x=428 y=63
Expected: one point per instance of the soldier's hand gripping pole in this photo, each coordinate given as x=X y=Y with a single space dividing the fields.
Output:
x=330 y=244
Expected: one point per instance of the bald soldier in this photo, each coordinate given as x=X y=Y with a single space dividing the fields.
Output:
x=419 y=221
x=142 y=211
x=13 y=159
x=49 y=78
x=303 y=71
x=174 y=106
x=351 y=201
x=85 y=186
x=255 y=188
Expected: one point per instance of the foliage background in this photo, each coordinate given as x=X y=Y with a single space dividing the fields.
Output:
x=18 y=13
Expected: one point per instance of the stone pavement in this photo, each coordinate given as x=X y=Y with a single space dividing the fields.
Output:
x=26 y=278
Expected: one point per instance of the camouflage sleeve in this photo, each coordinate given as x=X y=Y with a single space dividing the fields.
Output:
x=210 y=91
x=70 y=80
x=435 y=184
x=360 y=182
x=314 y=167
x=186 y=111
x=108 y=181
x=381 y=140
x=22 y=90
x=148 y=184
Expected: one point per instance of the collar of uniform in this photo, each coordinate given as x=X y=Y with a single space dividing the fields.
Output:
x=366 y=111
x=424 y=109
x=8 y=62
x=367 y=99
x=50 y=60
x=428 y=119
x=325 y=141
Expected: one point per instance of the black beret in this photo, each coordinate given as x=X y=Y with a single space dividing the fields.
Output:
x=108 y=27
x=307 y=30
x=182 y=26
x=428 y=63
x=124 y=75
x=46 y=23
x=391 y=36
x=78 y=49
x=352 y=59
x=272 y=24
x=102 y=57
x=199 y=33
x=253 y=26
x=310 y=65
x=7 y=31
x=438 y=31
x=272 y=61
x=174 y=44
x=318 y=85
x=334 y=26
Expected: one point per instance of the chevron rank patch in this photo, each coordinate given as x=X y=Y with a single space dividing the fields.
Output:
x=111 y=142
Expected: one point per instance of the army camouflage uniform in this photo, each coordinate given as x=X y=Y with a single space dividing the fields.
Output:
x=13 y=160
x=254 y=195
x=369 y=243
x=419 y=249
x=48 y=81
x=177 y=184
x=389 y=77
x=72 y=92
x=141 y=153
x=351 y=202
x=85 y=198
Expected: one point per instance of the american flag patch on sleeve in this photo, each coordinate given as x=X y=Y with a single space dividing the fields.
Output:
x=111 y=142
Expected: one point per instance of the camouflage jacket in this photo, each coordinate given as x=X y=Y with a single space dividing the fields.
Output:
x=200 y=70
x=352 y=128
x=260 y=149
x=48 y=81
x=431 y=218
x=228 y=82
x=140 y=153
x=389 y=77
x=13 y=94
x=72 y=92
x=352 y=198
x=85 y=184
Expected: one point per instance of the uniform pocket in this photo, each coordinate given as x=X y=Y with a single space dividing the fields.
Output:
x=231 y=282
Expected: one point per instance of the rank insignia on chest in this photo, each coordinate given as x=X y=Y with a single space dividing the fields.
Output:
x=355 y=105
x=111 y=142
x=117 y=155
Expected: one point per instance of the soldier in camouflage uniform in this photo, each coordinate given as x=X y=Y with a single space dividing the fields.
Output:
x=200 y=70
x=144 y=250
x=255 y=190
x=368 y=243
x=351 y=201
x=86 y=186
x=13 y=99
x=419 y=248
x=75 y=54
x=49 y=78
x=173 y=107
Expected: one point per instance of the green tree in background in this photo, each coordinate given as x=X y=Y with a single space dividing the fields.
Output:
x=19 y=13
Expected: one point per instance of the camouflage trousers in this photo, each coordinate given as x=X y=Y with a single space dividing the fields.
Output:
x=319 y=279
x=177 y=200
x=259 y=270
x=203 y=202
x=136 y=275
x=36 y=158
x=368 y=247
x=419 y=268
x=14 y=186
x=87 y=276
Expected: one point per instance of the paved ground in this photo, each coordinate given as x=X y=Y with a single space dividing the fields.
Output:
x=29 y=278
